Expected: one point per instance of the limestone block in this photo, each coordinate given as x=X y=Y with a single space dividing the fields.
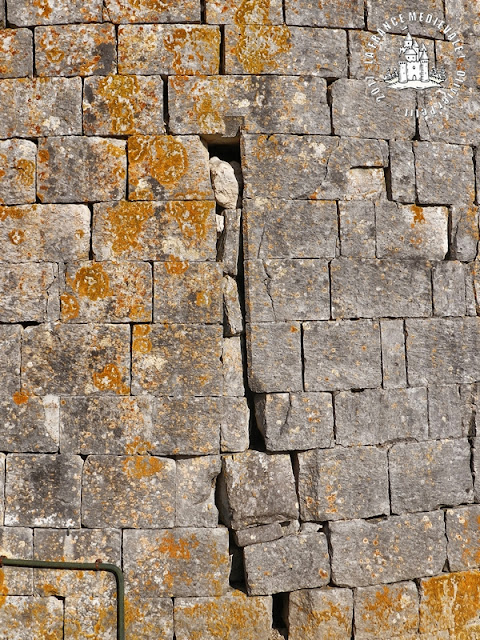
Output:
x=274 y=357
x=229 y=246
x=123 y=105
x=26 y=13
x=357 y=229
x=402 y=166
x=448 y=289
x=295 y=562
x=76 y=545
x=389 y=288
x=241 y=13
x=195 y=492
x=454 y=123
x=410 y=231
x=451 y=409
x=17 y=171
x=81 y=169
x=233 y=366
x=342 y=355
x=178 y=562
x=154 y=49
x=2 y=14
x=305 y=12
x=393 y=354
x=29 y=423
x=276 y=229
x=376 y=416
x=28 y=292
x=256 y=535
x=16 y=542
x=234 y=429
x=173 y=231
x=398 y=548
x=145 y=614
x=295 y=421
x=34 y=107
x=44 y=233
x=168 y=168
x=387 y=611
x=463 y=535
x=257 y=488
x=380 y=12
x=86 y=616
x=121 y=11
x=257 y=104
x=285 y=290
x=43 y=490
x=232 y=310
x=27 y=617
x=16 y=52
x=75 y=50
x=464 y=232
x=339 y=484
x=320 y=613
x=465 y=14
x=10 y=339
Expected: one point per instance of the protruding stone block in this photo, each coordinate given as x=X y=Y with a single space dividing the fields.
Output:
x=232 y=310
x=195 y=493
x=16 y=51
x=29 y=292
x=17 y=171
x=258 y=534
x=303 y=12
x=357 y=229
x=463 y=535
x=233 y=367
x=320 y=613
x=387 y=611
x=29 y=423
x=234 y=431
x=26 y=13
x=121 y=11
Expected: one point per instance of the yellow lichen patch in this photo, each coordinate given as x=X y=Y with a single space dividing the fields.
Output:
x=91 y=281
x=138 y=446
x=10 y=212
x=252 y=12
x=26 y=171
x=126 y=221
x=139 y=467
x=20 y=397
x=16 y=236
x=119 y=93
x=386 y=606
x=418 y=216
x=44 y=8
x=192 y=48
x=191 y=217
x=163 y=158
x=175 y=266
x=3 y=588
x=70 y=307
x=141 y=342
x=177 y=549
x=259 y=48
x=110 y=379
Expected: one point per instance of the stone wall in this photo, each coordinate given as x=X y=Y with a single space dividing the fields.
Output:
x=250 y=381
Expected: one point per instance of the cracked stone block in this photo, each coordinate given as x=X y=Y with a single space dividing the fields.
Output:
x=291 y=563
x=393 y=354
x=43 y=490
x=463 y=535
x=145 y=614
x=452 y=181
x=123 y=105
x=76 y=359
x=398 y=548
x=443 y=351
x=92 y=616
x=29 y=423
x=381 y=14
x=340 y=484
x=255 y=535
x=451 y=410
x=16 y=52
x=389 y=288
x=410 y=231
x=177 y=562
x=121 y=11
x=465 y=232
x=44 y=233
x=76 y=545
x=16 y=542
x=81 y=169
x=240 y=13
x=177 y=359
x=257 y=488
x=167 y=231
x=76 y=50
x=257 y=104
x=320 y=613
x=10 y=340
x=402 y=167
x=387 y=611
x=284 y=290
x=275 y=229
x=27 y=617
x=295 y=421
x=233 y=616
x=457 y=123
x=232 y=310
x=107 y=292
x=234 y=429
x=233 y=366
x=154 y=49
x=195 y=491
x=26 y=13
x=28 y=292
x=427 y=475
x=274 y=357
x=342 y=355
x=169 y=168
x=376 y=416
x=332 y=168
x=18 y=160
x=357 y=229
x=304 y=12
x=448 y=289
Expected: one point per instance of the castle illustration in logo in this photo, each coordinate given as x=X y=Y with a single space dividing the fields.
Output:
x=414 y=68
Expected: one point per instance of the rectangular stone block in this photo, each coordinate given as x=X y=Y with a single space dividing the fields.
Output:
x=442 y=125
x=402 y=166
x=76 y=50
x=178 y=562
x=142 y=488
x=393 y=354
x=16 y=542
x=223 y=105
x=339 y=484
x=44 y=233
x=398 y=548
x=18 y=161
x=33 y=617
x=195 y=491
x=176 y=359
x=123 y=105
x=145 y=614
x=43 y=490
x=90 y=616
x=10 y=340
x=381 y=14
x=357 y=229
x=76 y=360
x=28 y=292
x=121 y=11
x=29 y=423
x=233 y=356
x=241 y=13
x=463 y=535
x=26 y=13
x=154 y=49
x=426 y=475
x=389 y=288
x=16 y=51
x=464 y=232
x=376 y=416
x=304 y=12
x=258 y=534
x=81 y=169
x=320 y=613
x=34 y=107
x=342 y=355
x=451 y=410
x=229 y=244
x=295 y=421
x=449 y=289
x=234 y=429
x=232 y=310
x=389 y=611
x=295 y=562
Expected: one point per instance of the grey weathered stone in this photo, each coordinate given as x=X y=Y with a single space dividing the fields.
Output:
x=450 y=411
x=380 y=12
x=2 y=14
x=449 y=289
x=426 y=475
x=195 y=491
x=389 y=288
x=119 y=11
x=464 y=14
x=224 y=183
x=402 y=167
x=18 y=160
x=232 y=310
x=10 y=339
x=476 y=466
x=32 y=617
x=274 y=357
x=295 y=421
x=398 y=548
x=29 y=423
x=26 y=13
x=463 y=535
x=390 y=611
x=357 y=229
x=304 y=12
x=142 y=488
x=393 y=354
x=229 y=246
x=93 y=616
x=320 y=613
x=29 y=292
x=342 y=355
x=256 y=535
x=16 y=542
x=291 y=563
x=233 y=367
x=455 y=122
x=375 y=416
x=43 y=490
x=234 y=431
x=176 y=562
x=339 y=483
x=147 y=614
x=465 y=232
x=472 y=285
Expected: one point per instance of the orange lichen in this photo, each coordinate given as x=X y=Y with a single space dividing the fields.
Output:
x=162 y=158
x=43 y=155
x=139 y=467
x=259 y=48
x=20 y=397
x=177 y=549
x=3 y=588
x=44 y=8
x=138 y=446
x=418 y=216
x=141 y=343
x=26 y=171
x=315 y=619
x=119 y=92
x=126 y=221
x=193 y=48
x=91 y=281
x=16 y=236
x=191 y=217
x=10 y=212
x=175 y=266
x=70 y=307
x=386 y=607
x=110 y=379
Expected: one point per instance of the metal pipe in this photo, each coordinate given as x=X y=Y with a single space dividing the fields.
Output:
x=81 y=566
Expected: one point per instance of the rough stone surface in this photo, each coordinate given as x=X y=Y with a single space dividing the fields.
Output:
x=29 y=423
x=195 y=492
x=450 y=410
x=145 y=615
x=357 y=229
x=386 y=611
x=17 y=171
x=465 y=231
x=121 y=11
x=381 y=11
x=449 y=289
x=10 y=338
x=320 y=613
x=16 y=542
x=393 y=354
x=16 y=52
x=229 y=248
x=305 y=12
x=224 y=183
x=26 y=13
x=261 y=533
x=460 y=128
x=88 y=615
x=463 y=535
x=243 y=13
x=232 y=311
x=28 y=292
x=402 y=166
x=234 y=430
x=233 y=367
x=29 y=617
